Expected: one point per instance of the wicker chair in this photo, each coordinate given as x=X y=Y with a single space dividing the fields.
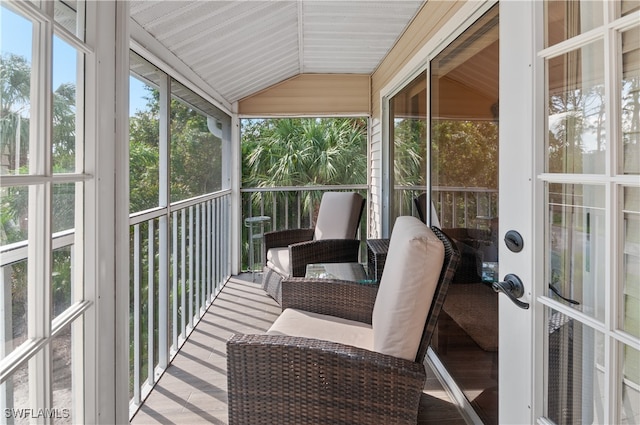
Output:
x=285 y=379
x=332 y=240
x=475 y=245
x=420 y=203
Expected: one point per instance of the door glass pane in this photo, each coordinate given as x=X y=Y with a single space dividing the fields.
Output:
x=567 y=18
x=629 y=6
x=63 y=366
x=576 y=247
x=464 y=97
x=14 y=214
x=65 y=14
x=144 y=135
x=64 y=202
x=409 y=135
x=61 y=279
x=576 y=117
x=15 y=98
x=630 y=101
x=629 y=408
x=65 y=135
x=15 y=402
x=631 y=261
x=14 y=302
x=574 y=371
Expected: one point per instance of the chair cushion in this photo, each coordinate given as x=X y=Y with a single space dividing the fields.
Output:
x=407 y=286
x=338 y=216
x=301 y=323
x=278 y=260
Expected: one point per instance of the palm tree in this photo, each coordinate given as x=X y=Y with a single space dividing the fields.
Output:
x=15 y=79
x=304 y=152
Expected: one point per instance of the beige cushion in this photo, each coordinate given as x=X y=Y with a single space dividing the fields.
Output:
x=278 y=259
x=338 y=216
x=300 y=323
x=407 y=285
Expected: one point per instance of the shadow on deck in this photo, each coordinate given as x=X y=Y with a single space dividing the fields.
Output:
x=193 y=389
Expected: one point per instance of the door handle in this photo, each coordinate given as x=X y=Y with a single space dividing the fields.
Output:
x=513 y=288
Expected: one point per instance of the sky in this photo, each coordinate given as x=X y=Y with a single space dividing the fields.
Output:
x=16 y=38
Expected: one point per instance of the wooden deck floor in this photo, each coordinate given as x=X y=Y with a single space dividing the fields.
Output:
x=193 y=390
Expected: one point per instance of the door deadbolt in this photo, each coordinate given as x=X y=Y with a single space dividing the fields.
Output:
x=514 y=241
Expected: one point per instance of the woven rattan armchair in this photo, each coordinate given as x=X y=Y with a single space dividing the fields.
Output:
x=285 y=379
x=331 y=240
x=475 y=245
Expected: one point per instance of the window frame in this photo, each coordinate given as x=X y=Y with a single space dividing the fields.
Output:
x=614 y=181
x=38 y=248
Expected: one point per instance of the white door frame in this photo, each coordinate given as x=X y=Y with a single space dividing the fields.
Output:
x=521 y=75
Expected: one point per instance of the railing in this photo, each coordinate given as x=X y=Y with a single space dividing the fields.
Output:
x=180 y=257
x=297 y=206
x=468 y=207
x=291 y=207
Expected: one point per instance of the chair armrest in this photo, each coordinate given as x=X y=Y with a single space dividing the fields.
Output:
x=282 y=379
x=322 y=251
x=282 y=238
x=339 y=298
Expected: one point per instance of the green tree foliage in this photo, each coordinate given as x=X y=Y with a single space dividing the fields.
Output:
x=15 y=86
x=196 y=154
x=144 y=155
x=409 y=152
x=195 y=160
x=465 y=154
x=64 y=128
x=304 y=152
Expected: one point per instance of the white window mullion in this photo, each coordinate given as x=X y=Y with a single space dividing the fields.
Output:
x=210 y=266
x=150 y=304
x=192 y=273
x=174 y=280
x=163 y=292
x=39 y=227
x=611 y=361
x=183 y=273
x=163 y=239
x=136 y=314
x=196 y=287
x=78 y=250
x=39 y=293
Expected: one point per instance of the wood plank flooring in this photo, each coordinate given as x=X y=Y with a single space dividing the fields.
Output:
x=193 y=390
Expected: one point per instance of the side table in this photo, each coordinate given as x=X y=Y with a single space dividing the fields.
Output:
x=376 y=256
x=256 y=235
x=352 y=272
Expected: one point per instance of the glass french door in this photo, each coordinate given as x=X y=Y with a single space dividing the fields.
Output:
x=42 y=194
x=570 y=181
x=591 y=293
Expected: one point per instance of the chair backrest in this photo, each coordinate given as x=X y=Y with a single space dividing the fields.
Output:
x=420 y=203
x=449 y=266
x=412 y=288
x=339 y=215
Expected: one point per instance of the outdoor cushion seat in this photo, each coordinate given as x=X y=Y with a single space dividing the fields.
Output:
x=331 y=240
x=278 y=260
x=339 y=348
x=294 y=322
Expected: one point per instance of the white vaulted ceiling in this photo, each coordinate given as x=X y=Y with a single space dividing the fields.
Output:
x=241 y=47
